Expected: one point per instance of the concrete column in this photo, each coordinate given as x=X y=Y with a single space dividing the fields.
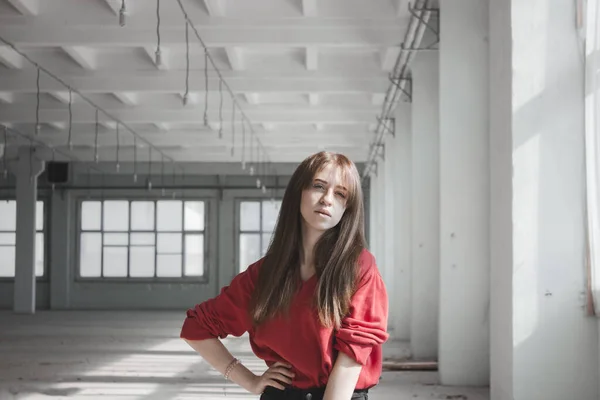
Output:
x=465 y=193
x=501 y=260
x=400 y=296
x=389 y=228
x=61 y=252
x=27 y=171
x=425 y=207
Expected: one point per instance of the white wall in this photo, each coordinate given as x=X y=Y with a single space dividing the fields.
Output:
x=465 y=193
x=425 y=207
x=555 y=344
x=501 y=246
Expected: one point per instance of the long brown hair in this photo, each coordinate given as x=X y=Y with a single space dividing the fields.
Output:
x=336 y=252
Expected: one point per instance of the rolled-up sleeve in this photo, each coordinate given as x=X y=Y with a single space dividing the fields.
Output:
x=365 y=325
x=224 y=315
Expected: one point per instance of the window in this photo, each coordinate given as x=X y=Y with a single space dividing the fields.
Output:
x=141 y=239
x=257 y=223
x=8 y=238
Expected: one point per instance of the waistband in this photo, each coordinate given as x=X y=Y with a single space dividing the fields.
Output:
x=297 y=393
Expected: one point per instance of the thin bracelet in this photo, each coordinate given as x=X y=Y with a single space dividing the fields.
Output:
x=230 y=367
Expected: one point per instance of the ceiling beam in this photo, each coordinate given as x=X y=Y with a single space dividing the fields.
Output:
x=269 y=127
x=59 y=126
x=284 y=115
x=7 y=97
x=378 y=34
x=401 y=7
x=151 y=52
x=128 y=98
x=389 y=57
x=85 y=57
x=319 y=127
x=215 y=8
x=162 y=126
x=172 y=82
x=28 y=8
x=115 y=5
x=313 y=99
x=61 y=96
x=235 y=55
x=312 y=58
x=253 y=98
x=10 y=58
x=309 y=8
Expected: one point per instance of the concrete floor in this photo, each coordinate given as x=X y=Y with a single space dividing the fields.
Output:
x=138 y=356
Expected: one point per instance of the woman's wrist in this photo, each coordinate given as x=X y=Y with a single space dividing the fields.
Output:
x=243 y=377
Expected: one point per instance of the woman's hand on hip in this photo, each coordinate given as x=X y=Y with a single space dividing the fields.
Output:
x=277 y=376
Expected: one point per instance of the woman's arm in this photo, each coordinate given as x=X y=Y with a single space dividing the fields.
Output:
x=343 y=378
x=217 y=355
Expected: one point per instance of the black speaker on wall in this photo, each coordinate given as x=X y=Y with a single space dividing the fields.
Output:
x=57 y=172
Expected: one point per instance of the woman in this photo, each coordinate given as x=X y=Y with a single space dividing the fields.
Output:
x=315 y=306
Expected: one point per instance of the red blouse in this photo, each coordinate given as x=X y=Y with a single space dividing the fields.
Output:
x=302 y=341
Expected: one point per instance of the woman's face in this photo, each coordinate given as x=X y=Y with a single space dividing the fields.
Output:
x=323 y=203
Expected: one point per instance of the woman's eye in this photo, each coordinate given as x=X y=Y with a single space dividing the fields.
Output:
x=318 y=186
x=342 y=195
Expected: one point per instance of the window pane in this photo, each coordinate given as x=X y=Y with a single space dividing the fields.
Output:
x=169 y=243
x=142 y=239
x=90 y=215
x=39 y=254
x=115 y=262
x=250 y=216
x=8 y=215
x=116 y=215
x=270 y=211
x=266 y=237
x=169 y=215
x=142 y=215
x=169 y=266
x=249 y=249
x=194 y=255
x=194 y=216
x=39 y=216
x=7 y=261
x=141 y=262
x=8 y=238
x=90 y=256
x=115 y=239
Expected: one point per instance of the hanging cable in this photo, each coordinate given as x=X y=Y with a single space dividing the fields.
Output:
x=118 y=166
x=233 y=131
x=149 y=178
x=37 y=105
x=162 y=176
x=205 y=87
x=221 y=109
x=251 y=156
x=69 y=140
x=243 y=145
x=4 y=155
x=96 y=158
x=82 y=96
x=134 y=159
x=122 y=13
x=187 y=64
x=158 y=54
x=30 y=161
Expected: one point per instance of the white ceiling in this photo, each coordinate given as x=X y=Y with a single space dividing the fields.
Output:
x=308 y=74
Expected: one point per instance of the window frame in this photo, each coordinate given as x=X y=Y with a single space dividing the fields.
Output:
x=129 y=198
x=238 y=222
x=10 y=196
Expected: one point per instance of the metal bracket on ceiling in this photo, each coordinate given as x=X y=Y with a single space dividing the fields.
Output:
x=396 y=83
x=392 y=122
x=414 y=12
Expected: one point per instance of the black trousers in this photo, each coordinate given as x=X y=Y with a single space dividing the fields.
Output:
x=272 y=393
